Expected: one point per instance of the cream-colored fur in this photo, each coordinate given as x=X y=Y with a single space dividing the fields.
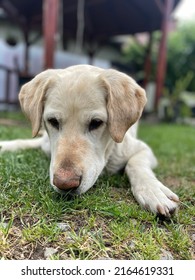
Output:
x=90 y=119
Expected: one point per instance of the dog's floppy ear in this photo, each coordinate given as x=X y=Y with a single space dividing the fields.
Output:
x=125 y=102
x=31 y=98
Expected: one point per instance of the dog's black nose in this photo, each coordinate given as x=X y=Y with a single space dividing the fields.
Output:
x=66 y=179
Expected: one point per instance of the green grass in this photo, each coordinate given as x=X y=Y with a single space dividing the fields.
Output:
x=106 y=222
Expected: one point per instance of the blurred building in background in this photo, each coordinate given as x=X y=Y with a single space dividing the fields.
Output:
x=40 y=34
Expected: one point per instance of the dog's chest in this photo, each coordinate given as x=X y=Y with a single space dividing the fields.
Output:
x=117 y=159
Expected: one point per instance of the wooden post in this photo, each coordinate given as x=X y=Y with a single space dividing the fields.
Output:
x=162 y=55
x=26 y=32
x=50 y=15
x=147 y=63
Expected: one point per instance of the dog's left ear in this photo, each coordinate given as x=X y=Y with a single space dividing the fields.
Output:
x=32 y=96
x=125 y=102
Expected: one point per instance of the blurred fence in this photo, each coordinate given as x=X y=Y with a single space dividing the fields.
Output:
x=9 y=83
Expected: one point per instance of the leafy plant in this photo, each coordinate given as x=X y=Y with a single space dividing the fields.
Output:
x=177 y=108
x=180 y=56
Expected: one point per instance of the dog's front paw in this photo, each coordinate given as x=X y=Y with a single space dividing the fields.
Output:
x=157 y=198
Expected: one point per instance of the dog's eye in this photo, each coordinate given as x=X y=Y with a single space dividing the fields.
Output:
x=95 y=124
x=54 y=122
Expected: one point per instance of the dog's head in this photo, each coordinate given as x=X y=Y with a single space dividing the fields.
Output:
x=84 y=110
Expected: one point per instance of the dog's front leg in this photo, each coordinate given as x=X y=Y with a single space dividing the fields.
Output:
x=146 y=188
x=23 y=144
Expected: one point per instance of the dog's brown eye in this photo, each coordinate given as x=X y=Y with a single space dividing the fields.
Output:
x=54 y=122
x=95 y=124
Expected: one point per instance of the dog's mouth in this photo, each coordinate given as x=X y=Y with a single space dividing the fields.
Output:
x=67 y=192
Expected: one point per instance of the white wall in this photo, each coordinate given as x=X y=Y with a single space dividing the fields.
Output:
x=9 y=54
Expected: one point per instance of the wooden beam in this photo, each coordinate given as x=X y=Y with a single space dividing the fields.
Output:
x=162 y=55
x=13 y=13
x=72 y=7
x=50 y=15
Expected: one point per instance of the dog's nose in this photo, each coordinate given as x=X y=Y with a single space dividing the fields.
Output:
x=66 y=179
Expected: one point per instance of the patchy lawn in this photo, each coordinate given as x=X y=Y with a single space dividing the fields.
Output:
x=104 y=223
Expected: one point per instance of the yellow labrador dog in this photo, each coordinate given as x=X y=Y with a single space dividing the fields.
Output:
x=90 y=119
